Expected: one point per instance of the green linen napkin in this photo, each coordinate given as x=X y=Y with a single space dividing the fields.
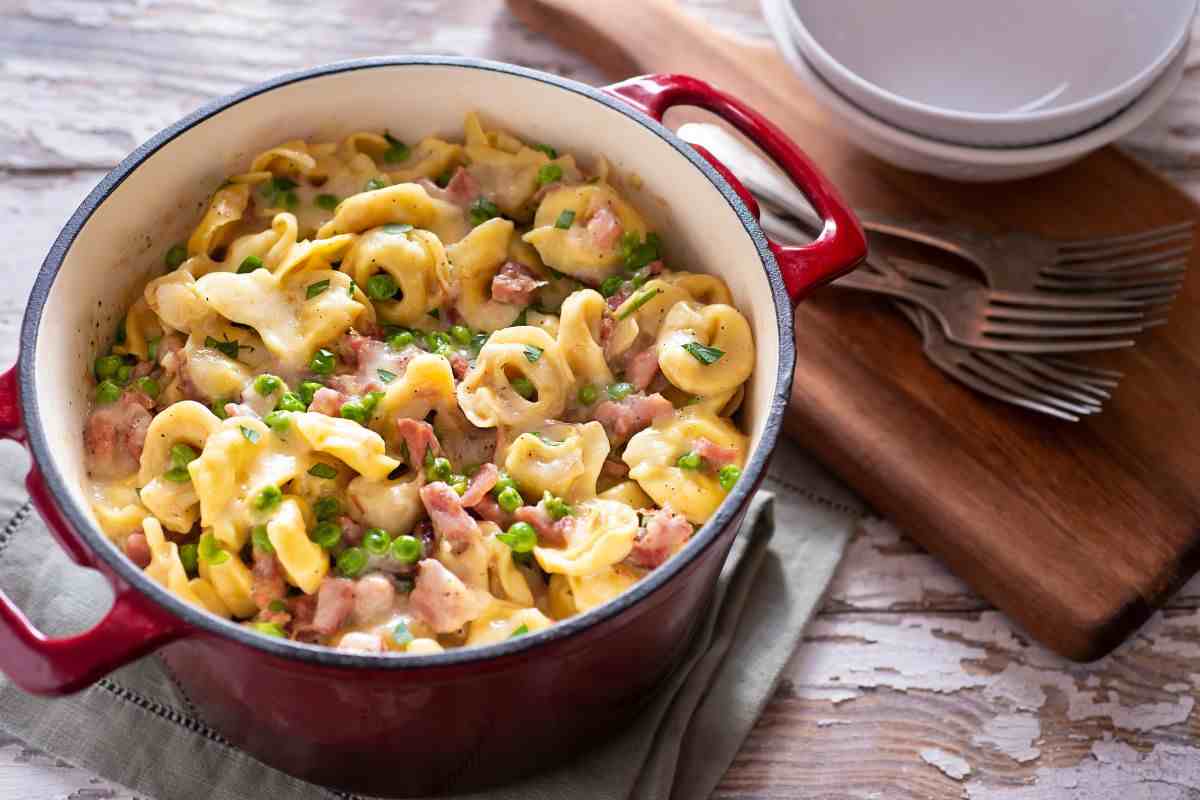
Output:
x=137 y=728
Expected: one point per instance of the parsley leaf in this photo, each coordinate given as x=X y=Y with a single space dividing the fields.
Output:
x=532 y=354
x=387 y=376
x=703 y=353
x=250 y=435
x=315 y=289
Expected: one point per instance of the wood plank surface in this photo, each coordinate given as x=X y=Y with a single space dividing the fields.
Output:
x=907 y=686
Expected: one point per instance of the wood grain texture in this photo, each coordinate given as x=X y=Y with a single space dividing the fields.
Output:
x=1077 y=530
x=907 y=680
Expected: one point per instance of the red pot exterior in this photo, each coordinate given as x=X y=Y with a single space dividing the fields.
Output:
x=456 y=728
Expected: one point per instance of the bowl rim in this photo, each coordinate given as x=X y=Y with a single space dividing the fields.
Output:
x=1007 y=119
x=200 y=622
x=1061 y=150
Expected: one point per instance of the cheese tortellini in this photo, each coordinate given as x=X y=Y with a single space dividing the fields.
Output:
x=398 y=399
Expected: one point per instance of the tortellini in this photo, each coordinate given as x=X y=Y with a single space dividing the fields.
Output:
x=397 y=398
x=653 y=458
x=583 y=249
x=705 y=350
x=527 y=356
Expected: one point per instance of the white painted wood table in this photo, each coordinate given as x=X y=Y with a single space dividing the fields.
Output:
x=908 y=684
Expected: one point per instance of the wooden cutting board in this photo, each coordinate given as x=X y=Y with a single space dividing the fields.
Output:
x=1077 y=530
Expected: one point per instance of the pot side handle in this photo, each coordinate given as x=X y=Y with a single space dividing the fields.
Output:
x=841 y=245
x=132 y=628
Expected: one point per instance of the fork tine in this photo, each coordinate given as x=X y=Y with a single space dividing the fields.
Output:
x=1099 y=389
x=1040 y=300
x=1113 y=290
x=1000 y=393
x=1048 y=385
x=1104 y=262
x=1051 y=315
x=1173 y=267
x=1037 y=347
x=1154 y=236
x=1018 y=388
x=1097 y=375
x=1051 y=331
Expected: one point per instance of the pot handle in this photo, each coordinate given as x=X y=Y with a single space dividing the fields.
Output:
x=131 y=629
x=841 y=245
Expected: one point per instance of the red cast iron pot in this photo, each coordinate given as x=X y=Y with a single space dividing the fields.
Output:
x=469 y=717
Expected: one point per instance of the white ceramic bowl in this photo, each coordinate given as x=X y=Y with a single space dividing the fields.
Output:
x=962 y=162
x=1012 y=73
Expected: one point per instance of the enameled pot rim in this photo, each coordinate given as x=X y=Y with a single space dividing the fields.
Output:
x=729 y=510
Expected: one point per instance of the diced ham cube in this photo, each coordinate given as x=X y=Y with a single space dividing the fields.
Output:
x=327 y=401
x=641 y=367
x=604 y=228
x=114 y=436
x=137 y=549
x=268 y=585
x=515 y=284
x=715 y=455
x=623 y=418
x=441 y=600
x=462 y=190
x=419 y=438
x=450 y=521
x=482 y=482
x=335 y=603
x=374 y=595
x=665 y=532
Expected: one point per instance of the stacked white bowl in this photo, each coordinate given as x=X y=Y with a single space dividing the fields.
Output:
x=985 y=90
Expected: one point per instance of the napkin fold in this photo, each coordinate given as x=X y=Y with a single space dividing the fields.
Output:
x=137 y=728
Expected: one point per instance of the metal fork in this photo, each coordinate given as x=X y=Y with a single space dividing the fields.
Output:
x=1059 y=388
x=1145 y=268
x=1016 y=322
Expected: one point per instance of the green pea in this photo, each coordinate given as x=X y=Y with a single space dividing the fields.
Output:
x=106 y=366
x=587 y=395
x=611 y=285
x=326 y=508
x=210 y=551
x=619 y=391
x=269 y=629
x=327 y=534
x=327 y=201
x=407 y=549
x=307 y=390
x=152 y=348
x=218 y=407
x=107 y=392
x=124 y=373
x=400 y=340
x=278 y=421
x=353 y=410
x=505 y=482
x=260 y=539
x=190 y=558
x=376 y=541
x=436 y=340
x=510 y=500
x=441 y=469
x=728 y=476
x=352 y=561
x=460 y=334
x=250 y=264
x=556 y=506
x=373 y=184
x=290 y=401
x=520 y=536
x=523 y=387
x=175 y=256
x=459 y=484
x=381 y=286
x=323 y=362
x=370 y=401
x=323 y=471
x=268 y=497
x=690 y=460
x=148 y=386
x=267 y=384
